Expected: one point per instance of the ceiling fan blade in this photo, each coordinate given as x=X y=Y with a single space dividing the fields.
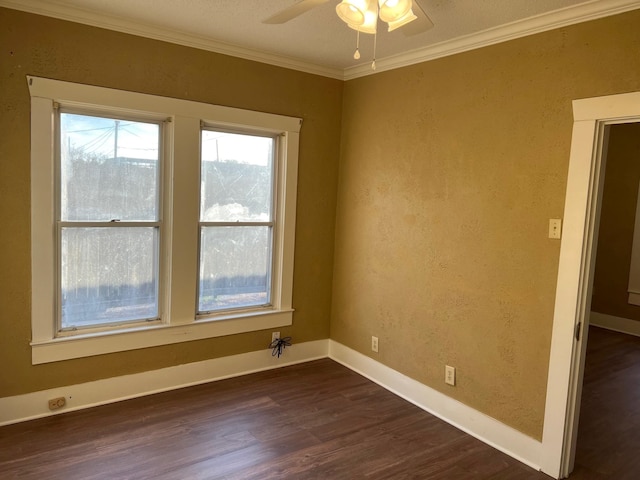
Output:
x=293 y=11
x=420 y=24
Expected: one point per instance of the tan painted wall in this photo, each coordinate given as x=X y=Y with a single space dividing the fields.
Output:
x=449 y=173
x=615 y=237
x=41 y=46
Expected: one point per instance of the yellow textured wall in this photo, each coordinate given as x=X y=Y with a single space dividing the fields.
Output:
x=449 y=173
x=618 y=214
x=41 y=46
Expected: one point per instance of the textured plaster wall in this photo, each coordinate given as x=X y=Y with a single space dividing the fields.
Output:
x=450 y=171
x=615 y=237
x=41 y=46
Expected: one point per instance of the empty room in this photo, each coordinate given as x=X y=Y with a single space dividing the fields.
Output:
x=314 y=238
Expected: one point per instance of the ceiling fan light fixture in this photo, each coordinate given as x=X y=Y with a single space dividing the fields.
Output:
x=363 y=15
x=352 y=12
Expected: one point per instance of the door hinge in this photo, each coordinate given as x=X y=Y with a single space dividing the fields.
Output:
x=578 y=331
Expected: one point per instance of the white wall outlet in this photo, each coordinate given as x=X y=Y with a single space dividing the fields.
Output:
x=275 y=336
x=374 y=344
x=449 y=375
x=555 y=227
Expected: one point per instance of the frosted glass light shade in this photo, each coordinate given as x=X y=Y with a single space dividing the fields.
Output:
x=409 y=17
x=370 y=23
x=394 y=10
x=352 y=12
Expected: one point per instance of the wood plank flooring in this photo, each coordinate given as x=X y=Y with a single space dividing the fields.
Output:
x=312 y=421
x=317 y=420
x=609 y=430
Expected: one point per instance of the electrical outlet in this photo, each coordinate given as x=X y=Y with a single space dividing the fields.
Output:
x=449 y=375
x=56 y=403
x=275 y=336
x=374 y=344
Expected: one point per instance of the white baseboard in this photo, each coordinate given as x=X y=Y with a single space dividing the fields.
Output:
x=486 y=429
x=617 y=324
x=490 y=431
x=29 y=406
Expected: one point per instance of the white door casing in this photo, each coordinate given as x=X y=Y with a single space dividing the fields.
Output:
x=577 y=258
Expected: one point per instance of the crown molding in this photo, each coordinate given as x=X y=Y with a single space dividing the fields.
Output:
x=541 y=23
x=522 y=28
x=87 y=17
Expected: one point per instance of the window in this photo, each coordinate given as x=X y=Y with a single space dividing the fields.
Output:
x=236 y=220
x=156 y=220
x=108 y=220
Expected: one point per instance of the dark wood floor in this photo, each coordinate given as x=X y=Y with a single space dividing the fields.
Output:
x=312 y=421
x=609 y=430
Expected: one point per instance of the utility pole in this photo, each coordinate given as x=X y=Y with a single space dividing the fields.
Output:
x=115 y=141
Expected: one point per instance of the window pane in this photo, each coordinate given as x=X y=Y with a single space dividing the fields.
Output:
x=235 y=265
x=108 y=275
x=236 y=173
x=108 y=169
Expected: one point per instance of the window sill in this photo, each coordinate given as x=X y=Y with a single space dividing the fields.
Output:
x=78 y=346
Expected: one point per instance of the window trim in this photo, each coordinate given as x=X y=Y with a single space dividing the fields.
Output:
x=179 y=258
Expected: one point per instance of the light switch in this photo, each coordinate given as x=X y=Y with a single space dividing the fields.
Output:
x=555 y=227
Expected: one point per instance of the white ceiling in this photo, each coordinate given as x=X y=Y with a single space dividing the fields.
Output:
x=318 y=41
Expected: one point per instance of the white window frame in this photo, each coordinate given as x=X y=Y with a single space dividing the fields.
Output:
x=202 y=224
x=179 y=262
x=59 y=224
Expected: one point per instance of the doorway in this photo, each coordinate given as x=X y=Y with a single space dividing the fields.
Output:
x=608 y=419
x=592 y=117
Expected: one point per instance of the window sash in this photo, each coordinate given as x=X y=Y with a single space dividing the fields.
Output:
x=232 y=302
x=271 y=224
x=88 y=323
x=91 y=325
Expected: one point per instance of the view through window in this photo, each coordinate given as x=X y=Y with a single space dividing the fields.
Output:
x=236 y=220
x=109 y=219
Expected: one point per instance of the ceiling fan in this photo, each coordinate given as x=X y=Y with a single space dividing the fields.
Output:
x=359 y=14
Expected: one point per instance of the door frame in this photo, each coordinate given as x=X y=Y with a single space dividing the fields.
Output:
x=577 y=259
